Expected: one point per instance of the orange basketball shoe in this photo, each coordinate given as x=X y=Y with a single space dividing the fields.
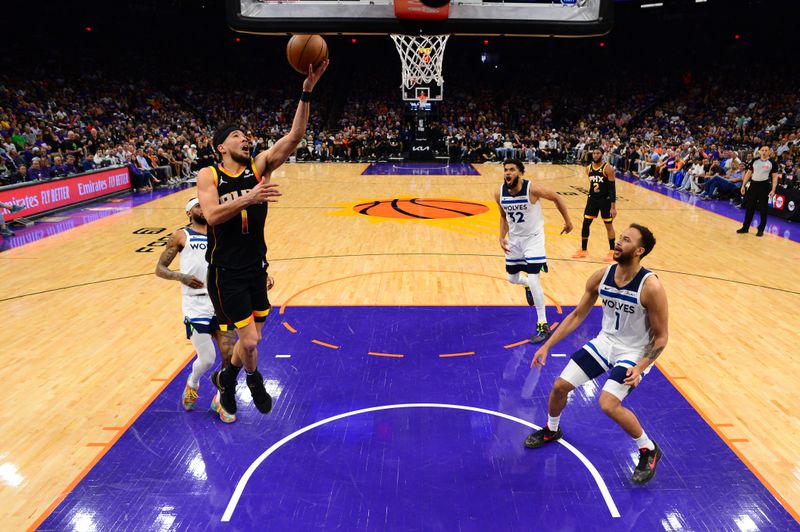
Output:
x=580 y=254
x=189 y=397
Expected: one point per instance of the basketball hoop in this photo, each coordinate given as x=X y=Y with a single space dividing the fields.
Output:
x=422 y=57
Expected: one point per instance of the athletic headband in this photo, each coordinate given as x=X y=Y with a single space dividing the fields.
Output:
x=221 y=134
x=191 y=203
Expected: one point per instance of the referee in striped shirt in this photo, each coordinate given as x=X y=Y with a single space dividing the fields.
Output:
x=758 y=173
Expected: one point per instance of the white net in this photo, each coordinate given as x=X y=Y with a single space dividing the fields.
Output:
x=422 y=57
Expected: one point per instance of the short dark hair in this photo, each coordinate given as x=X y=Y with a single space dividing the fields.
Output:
x=516 y=162
x=648 y=241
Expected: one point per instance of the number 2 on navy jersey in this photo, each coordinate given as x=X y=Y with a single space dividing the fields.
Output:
x=520 y=217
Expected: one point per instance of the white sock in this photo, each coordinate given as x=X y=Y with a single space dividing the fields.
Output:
x=644 y=442
x=517 y=278
x=552 y=422
x=206 y=355
x=538 y=297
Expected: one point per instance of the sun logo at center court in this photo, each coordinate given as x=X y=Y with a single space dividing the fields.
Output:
x=420 y=208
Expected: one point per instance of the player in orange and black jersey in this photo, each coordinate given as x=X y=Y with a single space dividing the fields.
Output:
x=602 y=199
x=234 y=194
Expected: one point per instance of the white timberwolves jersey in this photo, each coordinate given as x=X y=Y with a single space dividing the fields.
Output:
x=193 y=260
x=624 y=318
x=524 y=218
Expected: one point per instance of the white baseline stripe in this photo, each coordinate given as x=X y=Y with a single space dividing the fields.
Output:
x=558 y=354
x=237 y=493
x=283 y=356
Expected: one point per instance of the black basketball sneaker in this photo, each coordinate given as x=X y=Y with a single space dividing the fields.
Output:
x=542 y=333
x=261 y=398
x=541 y=437
x=646 y=469
x=227 y=393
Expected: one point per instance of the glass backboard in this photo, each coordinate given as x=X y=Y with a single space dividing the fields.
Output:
x=543 y=18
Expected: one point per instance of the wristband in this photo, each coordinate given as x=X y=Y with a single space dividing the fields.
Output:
x=305 y=96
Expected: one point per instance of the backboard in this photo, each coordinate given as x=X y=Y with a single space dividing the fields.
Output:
x=541 y=18
x=427 y=92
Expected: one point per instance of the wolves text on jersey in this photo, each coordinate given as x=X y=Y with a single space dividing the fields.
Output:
x=619 y=305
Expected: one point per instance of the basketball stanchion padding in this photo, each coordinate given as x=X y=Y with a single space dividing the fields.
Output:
x=422 y=9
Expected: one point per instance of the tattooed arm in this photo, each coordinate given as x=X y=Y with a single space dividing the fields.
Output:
x=174 y=246
x=654 y=299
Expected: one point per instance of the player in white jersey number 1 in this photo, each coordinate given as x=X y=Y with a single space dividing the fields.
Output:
x=522 y=235
x=634 y=334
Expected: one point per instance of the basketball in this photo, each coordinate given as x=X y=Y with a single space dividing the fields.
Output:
x=304 y=50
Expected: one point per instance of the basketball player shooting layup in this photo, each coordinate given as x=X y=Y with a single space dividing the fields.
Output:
x=202 y=327
x=234 y=194
x=522 y=220
x=634 y=334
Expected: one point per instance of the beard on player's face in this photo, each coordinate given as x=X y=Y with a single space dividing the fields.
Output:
x=240 y=158
x=199 y=219
x=512 y=181
x=623 y=256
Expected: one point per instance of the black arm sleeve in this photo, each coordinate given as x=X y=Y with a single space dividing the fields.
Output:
x=612 y=191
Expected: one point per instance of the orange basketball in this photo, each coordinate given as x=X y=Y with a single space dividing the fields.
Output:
x=421 y=208
x=304 y=50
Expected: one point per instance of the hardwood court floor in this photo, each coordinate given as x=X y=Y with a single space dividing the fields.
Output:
x=92 y=336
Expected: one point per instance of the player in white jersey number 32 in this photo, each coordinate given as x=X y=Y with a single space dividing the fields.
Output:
x=522 y=236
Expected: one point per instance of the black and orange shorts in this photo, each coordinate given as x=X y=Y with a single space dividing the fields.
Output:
x=239 y=296
x=596 y=206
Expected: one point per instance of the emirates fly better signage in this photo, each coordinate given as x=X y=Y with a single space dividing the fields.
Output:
x=49 y=195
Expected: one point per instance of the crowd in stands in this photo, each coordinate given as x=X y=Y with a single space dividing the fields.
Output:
x=696 y=135
x=702 y=140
